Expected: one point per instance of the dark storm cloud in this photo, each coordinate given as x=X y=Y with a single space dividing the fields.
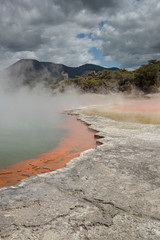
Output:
x=41 y=29
x=19 y=41
x=92 y=5
x=132 y=38
x=16 y=34
x=47 y=30
x=101 y=4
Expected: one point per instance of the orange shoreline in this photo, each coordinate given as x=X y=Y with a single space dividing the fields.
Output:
x=78 y=139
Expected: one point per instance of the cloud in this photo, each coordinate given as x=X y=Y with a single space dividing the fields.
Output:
x=93 y=6
x=47 y=30
x=132 y=37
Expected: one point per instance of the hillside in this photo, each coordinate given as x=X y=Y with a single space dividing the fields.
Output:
x=30 y=71
x=88 y=77
x=146 y=79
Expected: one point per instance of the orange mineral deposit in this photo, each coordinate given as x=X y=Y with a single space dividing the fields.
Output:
x=78 y=139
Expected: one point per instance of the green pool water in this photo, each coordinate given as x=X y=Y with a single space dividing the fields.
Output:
x=28 y=126
x=18 y=145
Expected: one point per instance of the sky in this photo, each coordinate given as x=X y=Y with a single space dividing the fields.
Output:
x=119 y=33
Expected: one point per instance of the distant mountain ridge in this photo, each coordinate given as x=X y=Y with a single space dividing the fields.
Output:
x=30 y=71
x=81 y=70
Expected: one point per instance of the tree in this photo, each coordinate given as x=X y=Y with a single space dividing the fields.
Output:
x=146 y=77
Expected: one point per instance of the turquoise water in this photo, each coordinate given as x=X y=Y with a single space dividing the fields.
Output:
x=28 y=125
x=22 y=144
x=18 y=145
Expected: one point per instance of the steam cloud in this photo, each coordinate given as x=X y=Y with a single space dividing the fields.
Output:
x=26 y=109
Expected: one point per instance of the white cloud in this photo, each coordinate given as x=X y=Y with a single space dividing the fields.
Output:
x=47 y=30
x=132 y=37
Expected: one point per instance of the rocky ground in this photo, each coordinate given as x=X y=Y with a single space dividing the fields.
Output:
x=111 y=192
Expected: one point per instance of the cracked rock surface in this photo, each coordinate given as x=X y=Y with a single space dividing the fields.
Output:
x=111 y=192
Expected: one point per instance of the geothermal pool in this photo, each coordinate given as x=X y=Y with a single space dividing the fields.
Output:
x=19 y=144
x=28 y=125
x=37 y=139
x=34 y=136
x=76 y=139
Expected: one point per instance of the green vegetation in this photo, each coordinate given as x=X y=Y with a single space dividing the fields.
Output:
x=146 y=78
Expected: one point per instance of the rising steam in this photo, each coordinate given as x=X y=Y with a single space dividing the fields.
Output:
x=27 y=110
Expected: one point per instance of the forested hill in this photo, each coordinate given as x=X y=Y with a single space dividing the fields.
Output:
x=146 y=79
x=30 y=71
x=88 y=77
x=85 y=69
